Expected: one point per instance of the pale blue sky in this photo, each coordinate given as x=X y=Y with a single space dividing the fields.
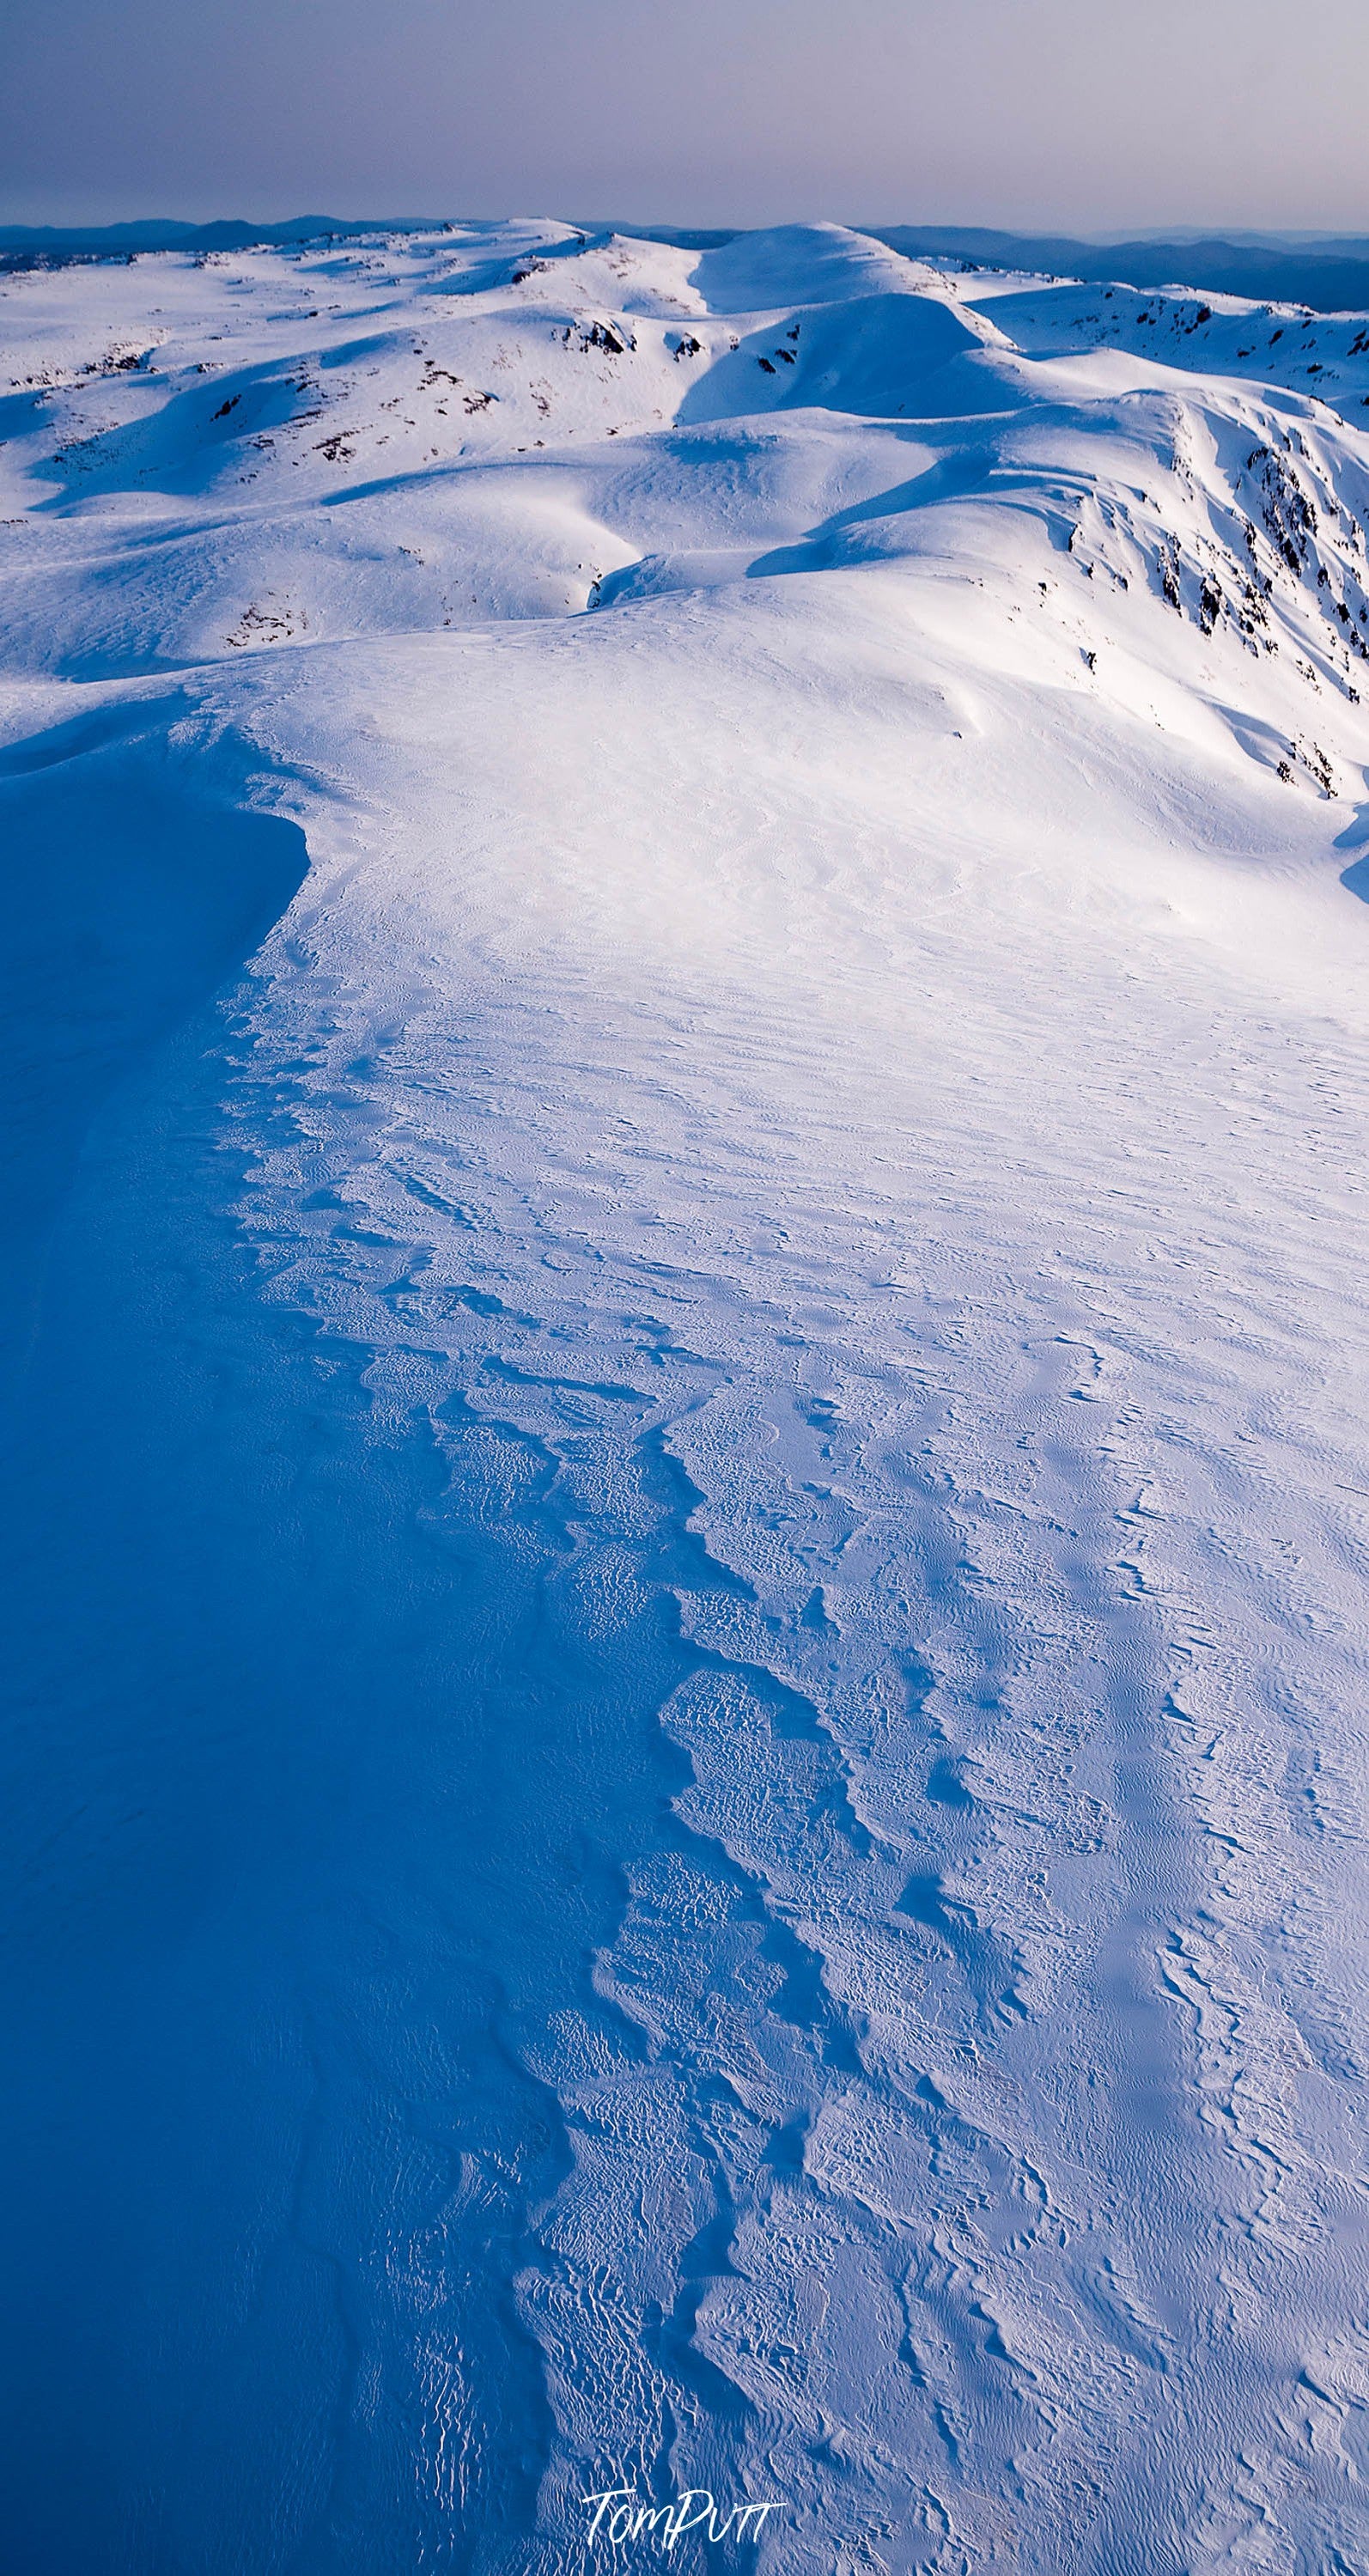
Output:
x=1081 y=114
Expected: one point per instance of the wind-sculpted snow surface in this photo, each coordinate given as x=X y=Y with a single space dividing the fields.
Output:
x=686 y=1796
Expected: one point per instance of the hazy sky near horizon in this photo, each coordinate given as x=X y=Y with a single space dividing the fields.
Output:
x=1078 y=114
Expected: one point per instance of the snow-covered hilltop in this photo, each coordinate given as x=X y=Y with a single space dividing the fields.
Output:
x=686 y=1097
x=238 y=418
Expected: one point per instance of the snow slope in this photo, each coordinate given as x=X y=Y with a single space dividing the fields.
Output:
x=686 y=1788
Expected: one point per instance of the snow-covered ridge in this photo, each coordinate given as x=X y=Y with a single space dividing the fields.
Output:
x=687 y=1097
x=306 y=442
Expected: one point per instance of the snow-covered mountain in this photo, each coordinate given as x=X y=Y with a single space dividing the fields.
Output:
x=687 y=1095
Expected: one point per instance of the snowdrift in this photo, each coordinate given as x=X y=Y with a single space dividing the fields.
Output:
x=684 y=1787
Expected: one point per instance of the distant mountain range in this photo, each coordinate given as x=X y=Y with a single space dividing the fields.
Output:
x=1330 y=273
x=116 y=241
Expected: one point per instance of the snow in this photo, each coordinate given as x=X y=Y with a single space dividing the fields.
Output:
x=686 y=1112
